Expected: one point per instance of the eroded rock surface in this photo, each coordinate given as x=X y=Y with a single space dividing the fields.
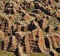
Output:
x=28 y=26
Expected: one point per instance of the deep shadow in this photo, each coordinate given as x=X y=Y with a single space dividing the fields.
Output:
x=49 y=2
x=16 y=52
x=56 y=0
x=6 y=11
x=13 y=32
x=47 y=29
x=31 y=26
x=12 y=11
x=51 y=53
x=36 y=49
x=58 y=50
x=56 y=28
x=10 y=43
x=42 y=9
x=22 y=41
x=40 y=23
x=47 y=43
x=35 y=11
x=58 y=18
x=22 y=29
x=24 y=49
x=2 y=45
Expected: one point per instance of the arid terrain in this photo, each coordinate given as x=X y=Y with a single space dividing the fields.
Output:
x=29 y=27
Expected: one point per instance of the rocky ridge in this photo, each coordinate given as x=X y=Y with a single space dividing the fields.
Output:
x=30 y=26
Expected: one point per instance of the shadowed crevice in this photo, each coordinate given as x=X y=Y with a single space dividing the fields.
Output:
x=47 y=43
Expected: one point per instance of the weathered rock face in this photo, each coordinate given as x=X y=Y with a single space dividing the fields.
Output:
x=13 y=43
x=30 y=39
x=5 y=22
x=28 y=26
x=26 y=5
x=51 y=2
x=42 y=47
x=2 y=35
x=10 y=8
x=14 y=27
x=11 y=17
x=6 y=43
x=27 y=43
x=48 y=7
x=20 y=50
x=50 y=42
x=26 y=17
x=43 y=23
x=9 y=43
x=10 y=11
x=58 y=1
x=55 y=39
x=58 y=27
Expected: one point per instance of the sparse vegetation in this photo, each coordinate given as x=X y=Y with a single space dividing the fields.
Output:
x=38 y=54
x=5 y=53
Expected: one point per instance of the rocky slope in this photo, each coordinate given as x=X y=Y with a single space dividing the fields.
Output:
x=30 y=26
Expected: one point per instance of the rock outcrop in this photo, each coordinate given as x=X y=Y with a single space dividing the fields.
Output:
x=28 y=26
